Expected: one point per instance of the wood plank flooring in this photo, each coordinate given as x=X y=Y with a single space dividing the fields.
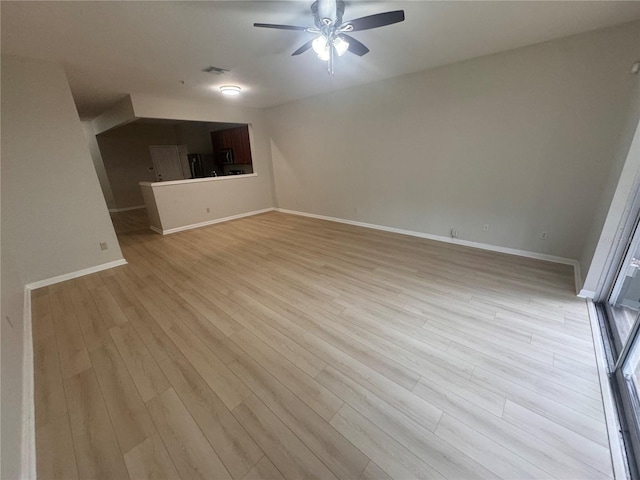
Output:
x=278 y=346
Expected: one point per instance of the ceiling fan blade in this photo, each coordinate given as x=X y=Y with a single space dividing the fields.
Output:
x=355 y=47
x=279 y=27
x=375 y=21
x=303 y=48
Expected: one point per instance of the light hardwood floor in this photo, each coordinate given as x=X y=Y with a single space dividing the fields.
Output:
x=279 y=347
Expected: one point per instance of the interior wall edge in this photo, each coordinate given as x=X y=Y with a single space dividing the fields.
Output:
x=28 y=450
x=577 y=276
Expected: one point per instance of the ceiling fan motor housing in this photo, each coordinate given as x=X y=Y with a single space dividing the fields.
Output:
x=319 y=14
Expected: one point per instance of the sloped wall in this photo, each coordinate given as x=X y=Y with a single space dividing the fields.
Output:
x=53 y=213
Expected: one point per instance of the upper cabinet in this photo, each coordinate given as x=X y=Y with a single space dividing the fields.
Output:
x=235 y=139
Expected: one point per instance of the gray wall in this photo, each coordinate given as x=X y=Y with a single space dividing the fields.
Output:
x=53 y=213
x=522 y=140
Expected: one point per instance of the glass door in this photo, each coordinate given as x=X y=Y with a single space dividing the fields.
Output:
x=627 y=380
x=622 y=323
x=623 y=304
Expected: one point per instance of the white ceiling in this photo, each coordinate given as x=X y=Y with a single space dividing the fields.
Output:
x=110 y=49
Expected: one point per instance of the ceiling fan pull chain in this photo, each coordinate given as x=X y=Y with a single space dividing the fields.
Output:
x=331 y=53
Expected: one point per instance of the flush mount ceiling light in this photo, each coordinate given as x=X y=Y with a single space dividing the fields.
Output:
x=230 y=90
x=332 y=32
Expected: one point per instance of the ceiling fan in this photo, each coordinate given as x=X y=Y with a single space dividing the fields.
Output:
x=331 y=31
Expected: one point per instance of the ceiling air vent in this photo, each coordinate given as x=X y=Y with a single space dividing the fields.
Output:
x=215 y=70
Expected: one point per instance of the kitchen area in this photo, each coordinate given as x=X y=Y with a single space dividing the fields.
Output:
x=230 y=154
x=163 y=150
x=183 y=172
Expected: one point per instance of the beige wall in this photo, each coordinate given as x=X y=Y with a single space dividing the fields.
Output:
x=522 y=140
x=126 y=156
x=53 y=213
x=186 y=204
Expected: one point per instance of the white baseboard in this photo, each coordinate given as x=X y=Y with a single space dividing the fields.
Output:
x=79 y=273
x=28 y=444
x=126 y=209
x=210 y=222
x=456 y=241
x=616 y=442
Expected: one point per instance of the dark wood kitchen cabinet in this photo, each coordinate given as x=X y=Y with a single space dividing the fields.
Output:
x=225 y=139
x=236 y=139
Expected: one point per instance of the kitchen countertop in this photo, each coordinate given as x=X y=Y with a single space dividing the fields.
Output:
x=198 y=180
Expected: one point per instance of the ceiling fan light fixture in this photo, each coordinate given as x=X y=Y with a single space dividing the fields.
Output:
x=332 y=40
x=230 y=90
x=319 y=45
x=341 y=46
x=324 y=56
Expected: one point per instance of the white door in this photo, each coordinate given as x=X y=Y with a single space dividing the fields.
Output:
x=183 y=152
x=166 y=161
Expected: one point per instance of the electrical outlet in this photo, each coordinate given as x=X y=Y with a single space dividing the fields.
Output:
x=544 y=235
x=485 y=227
x=103 y=246
x=208 y=210
x=454 y=233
